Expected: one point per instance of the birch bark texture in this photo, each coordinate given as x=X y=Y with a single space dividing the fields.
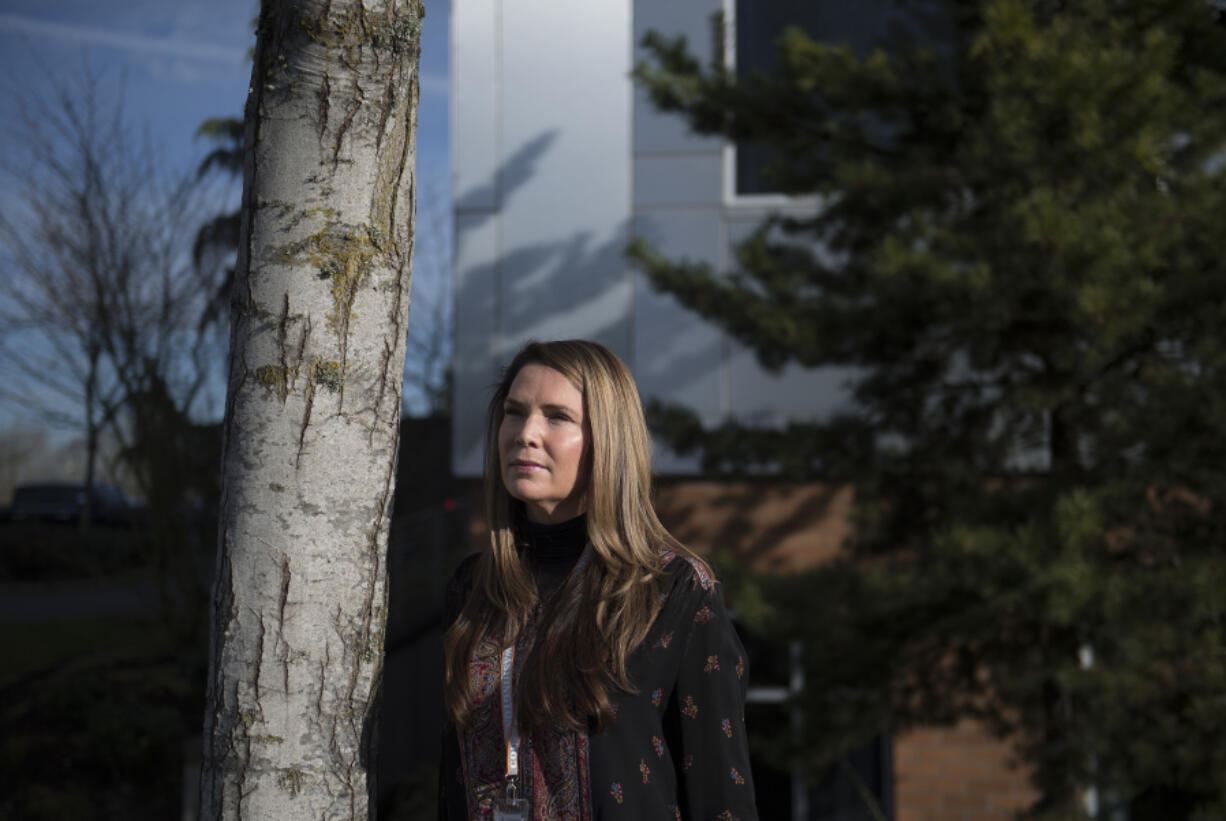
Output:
x=319 y=315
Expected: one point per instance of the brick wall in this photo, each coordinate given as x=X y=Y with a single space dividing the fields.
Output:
x=958 y=773
x=775 y=526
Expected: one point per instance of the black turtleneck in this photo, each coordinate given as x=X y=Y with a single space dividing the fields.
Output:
x=552 y=550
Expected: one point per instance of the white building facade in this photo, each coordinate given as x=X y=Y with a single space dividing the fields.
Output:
x=558 y=160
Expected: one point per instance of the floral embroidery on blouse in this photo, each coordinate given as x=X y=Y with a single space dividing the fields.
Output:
x=616 y=792
x=684 y=665
x=702 y=576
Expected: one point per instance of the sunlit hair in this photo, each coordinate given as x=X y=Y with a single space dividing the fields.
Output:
x=603 y=612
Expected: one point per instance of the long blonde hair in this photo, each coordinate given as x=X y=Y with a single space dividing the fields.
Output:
x=580 y=649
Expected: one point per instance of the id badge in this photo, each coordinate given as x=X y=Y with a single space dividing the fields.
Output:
x=511 y=809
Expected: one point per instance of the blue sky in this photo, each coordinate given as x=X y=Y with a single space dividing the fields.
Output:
x=183 y=61
x=186 y=60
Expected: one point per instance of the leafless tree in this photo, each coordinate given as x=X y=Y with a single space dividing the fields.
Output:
x=98 y=296
x=20 y=447
x=427 y=369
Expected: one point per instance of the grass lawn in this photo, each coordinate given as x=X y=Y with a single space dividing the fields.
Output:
x=32 y=647
x=95 y=711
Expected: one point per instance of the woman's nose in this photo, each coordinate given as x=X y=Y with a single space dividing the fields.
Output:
x=529 y=431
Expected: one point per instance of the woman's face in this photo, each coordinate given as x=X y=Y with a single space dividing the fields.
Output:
x=543 y=444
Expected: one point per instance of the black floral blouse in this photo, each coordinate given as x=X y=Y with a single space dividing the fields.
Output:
x=677 y=748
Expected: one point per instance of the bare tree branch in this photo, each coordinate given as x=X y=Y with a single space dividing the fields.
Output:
x=100 y=295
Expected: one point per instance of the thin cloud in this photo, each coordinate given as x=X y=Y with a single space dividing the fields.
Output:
x=125 y=42
x=431 y=84
x=435 y=84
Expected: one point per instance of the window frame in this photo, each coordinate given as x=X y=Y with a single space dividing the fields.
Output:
x=732 y=199
x=784 y=697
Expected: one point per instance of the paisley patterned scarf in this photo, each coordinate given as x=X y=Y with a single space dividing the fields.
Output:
x=554 y=773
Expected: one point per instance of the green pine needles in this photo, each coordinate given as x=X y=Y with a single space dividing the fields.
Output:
x=1020 y=253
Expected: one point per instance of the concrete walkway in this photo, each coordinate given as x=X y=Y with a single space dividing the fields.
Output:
x=102 y=598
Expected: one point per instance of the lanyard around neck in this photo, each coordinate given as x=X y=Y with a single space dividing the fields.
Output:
x=510 y=731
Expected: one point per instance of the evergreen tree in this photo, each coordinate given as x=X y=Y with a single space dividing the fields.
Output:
x=217 y=239
x=1019 y=255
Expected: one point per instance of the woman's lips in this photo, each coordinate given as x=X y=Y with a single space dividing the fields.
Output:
x=522 y=466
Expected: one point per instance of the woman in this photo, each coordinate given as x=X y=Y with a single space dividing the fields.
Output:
x=592 y=671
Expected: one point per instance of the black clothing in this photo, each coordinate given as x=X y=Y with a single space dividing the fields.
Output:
x=677 y=747
x=552 y=551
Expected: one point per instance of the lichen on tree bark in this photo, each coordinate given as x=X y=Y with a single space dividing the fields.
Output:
x=317 y=347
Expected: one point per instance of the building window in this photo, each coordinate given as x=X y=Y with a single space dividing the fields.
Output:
x=776 y=675
x=754 y=27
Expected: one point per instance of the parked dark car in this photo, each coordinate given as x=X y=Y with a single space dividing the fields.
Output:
x=63 y=501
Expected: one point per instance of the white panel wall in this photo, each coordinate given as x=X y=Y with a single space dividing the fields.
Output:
x=691 y=19
x=760 y=397
x=566 y=211
x=475 y=46
x=678 y=356
x=677 y=191
x=558 y=160
x=476 y=317
x=475 y=42
x=541 y=147
x=682 y=203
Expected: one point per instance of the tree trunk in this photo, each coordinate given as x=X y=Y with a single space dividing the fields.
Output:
x=317 y=352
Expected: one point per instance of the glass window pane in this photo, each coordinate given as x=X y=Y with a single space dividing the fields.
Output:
x=862 y=24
